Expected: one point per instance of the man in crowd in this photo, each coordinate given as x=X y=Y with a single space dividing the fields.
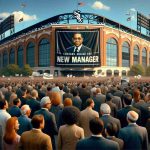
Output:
x=35 y=139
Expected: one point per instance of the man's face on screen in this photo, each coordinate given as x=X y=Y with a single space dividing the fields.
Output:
x=77 y=39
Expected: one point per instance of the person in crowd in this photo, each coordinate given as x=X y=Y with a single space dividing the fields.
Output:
x=11 y=138
x=69 y=133
x=23 y=97
x=113 y=106
x=15 y=111
x=50 y=127
x=33 y=103
x=148 y=129
x=76 y=100
x=67 y=102
x=4 y=115
x=111 y=132
x=86 y=115
x=24 y=120
x=67 y=94
x=107 y=118
x=98 y=99
x=35 y=139
x=122 y=113
x=96 y=141
x=8 y=93
x=12 y=97
x=84 y=94
x=117 y=100
x=1 y=138
x=133 y=135
x=56 y=100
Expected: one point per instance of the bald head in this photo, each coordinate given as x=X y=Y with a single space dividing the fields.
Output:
x=132 y=116
x=25 y=110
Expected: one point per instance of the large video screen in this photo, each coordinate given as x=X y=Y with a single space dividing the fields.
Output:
x=77 y=48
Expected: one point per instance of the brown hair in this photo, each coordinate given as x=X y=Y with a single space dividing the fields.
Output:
x=55 y=98
x=67 y=102
x=136 y=95
x=10 y=133
x=36 y=121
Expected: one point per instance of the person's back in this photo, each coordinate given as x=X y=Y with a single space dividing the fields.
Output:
x=35 y=139
x=96 y=141
x=134 y=136
x=86 y=115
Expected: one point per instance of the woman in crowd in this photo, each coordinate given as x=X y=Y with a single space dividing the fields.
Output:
x=11 y=138
x=69 y=134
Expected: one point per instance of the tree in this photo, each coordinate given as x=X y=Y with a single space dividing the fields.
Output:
x=26 y=70
x=136 y=70
x=10 y=70
x=147 y=72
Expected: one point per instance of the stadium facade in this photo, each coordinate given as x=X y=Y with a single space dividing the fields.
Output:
x=115 y=47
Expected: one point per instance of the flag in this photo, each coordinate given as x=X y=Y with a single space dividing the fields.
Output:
x=81 y=4
x=21 y=19
x=129 y=19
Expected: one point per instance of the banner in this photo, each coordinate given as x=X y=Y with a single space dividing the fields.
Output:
x=77 y=47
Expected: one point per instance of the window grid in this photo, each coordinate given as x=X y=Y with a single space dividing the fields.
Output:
x=5 y=59
x=30 y=54
x=136 y=55
x=12 y=56
x=44 y=53
x=125 y=55
x=20 y=57
x=111 y=52
x=144 y=57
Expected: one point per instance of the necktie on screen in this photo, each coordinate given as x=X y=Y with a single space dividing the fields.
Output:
x=76 y=50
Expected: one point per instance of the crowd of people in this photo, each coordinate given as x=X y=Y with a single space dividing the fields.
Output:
x=74 y=114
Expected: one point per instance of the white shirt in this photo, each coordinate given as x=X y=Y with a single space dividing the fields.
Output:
x=4 y=116
x=78 y=48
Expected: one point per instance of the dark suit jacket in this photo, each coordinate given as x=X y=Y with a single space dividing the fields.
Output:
x=25 y=124
x=135 y=137
x=34 y=105
x=122 y=115
x=95 y=143
x=14 y=111
x=109 y=119
x=50 y=124
x=83 y=49
x=77 y=102
x=119 y=141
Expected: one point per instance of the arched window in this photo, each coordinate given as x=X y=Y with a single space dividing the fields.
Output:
x=44 y=53
x=136 y=55
x=125 y=55
x=30 y=54
x=112 y=52
x=20 y=56
x=12 y=56
x=144 y=57
x=5 y=58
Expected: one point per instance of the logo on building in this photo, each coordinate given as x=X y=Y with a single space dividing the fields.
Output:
x=77 y=15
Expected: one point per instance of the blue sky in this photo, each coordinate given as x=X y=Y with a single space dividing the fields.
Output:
x=34 y=11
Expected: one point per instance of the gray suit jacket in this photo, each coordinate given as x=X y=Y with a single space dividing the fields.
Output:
x=135 y=137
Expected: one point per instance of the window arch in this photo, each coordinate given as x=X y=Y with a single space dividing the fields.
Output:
x=136 y=55
x=5 y=58
x=20 y=56
x=112 y=49
x=30 y=54
x=144 y=57
x=12 y=56
x=44 y=53
x=125 y=55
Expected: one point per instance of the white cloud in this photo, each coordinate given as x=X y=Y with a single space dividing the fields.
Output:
x=18 y=15
x=100 y=5
x=133 y=9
